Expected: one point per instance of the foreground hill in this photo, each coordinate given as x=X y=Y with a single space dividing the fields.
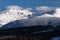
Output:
x=41 y=32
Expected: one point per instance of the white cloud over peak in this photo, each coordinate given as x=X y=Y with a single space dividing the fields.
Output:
x=57 y=12
x=29 y=9
x=49 y=11
x=14 y=7
x=44 y=9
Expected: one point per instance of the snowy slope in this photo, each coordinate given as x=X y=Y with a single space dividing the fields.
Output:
x=33 y=22
x=13 y=13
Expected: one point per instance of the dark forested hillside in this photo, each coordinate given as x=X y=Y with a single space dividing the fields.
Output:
x=30 y=33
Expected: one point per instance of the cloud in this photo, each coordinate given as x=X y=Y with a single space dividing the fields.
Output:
x=48 y=11
x=45 y=10
x=57 y=13
x=29 y=9
x=14 y=7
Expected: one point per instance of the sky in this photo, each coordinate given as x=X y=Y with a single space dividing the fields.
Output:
x=29 y=3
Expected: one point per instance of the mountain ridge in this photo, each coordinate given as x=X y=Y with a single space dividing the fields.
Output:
x=44 y=21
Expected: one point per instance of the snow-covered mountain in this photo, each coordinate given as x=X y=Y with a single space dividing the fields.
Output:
x=13 y=13
x=15 y=16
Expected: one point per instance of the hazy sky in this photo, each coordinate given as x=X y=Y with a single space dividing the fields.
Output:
x=29 y=3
